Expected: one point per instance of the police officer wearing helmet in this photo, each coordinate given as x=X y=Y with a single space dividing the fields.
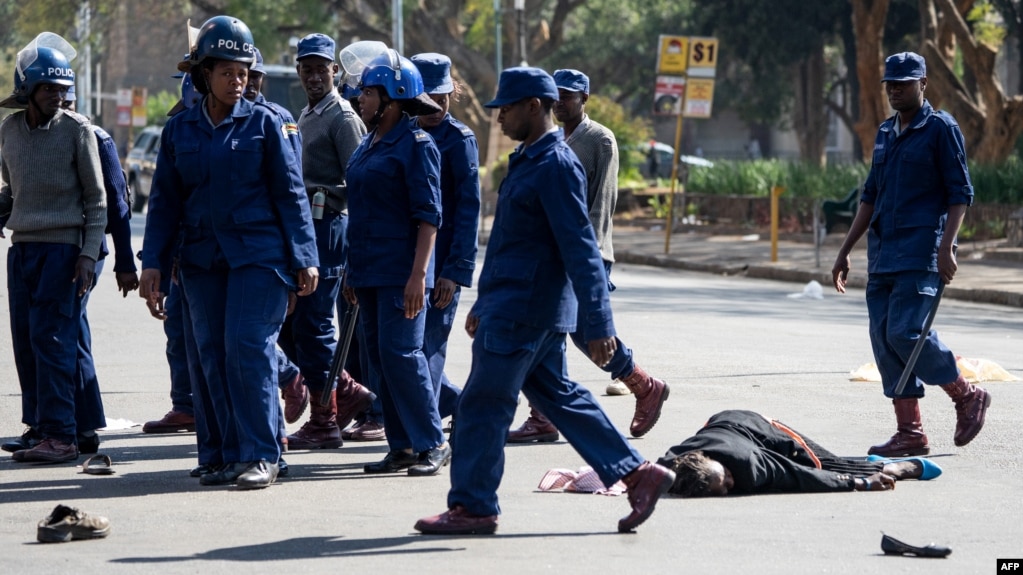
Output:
x=228 y=181
x=456 y=245
x=331 y=131
x=57 y=217
x=395 y=210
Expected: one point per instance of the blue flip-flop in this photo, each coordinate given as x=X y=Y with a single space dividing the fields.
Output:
x=931 y=469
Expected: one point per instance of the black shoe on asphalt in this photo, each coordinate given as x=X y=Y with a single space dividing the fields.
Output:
x=430 y=462
x=29 y=439
x=202 y=469
x=257 y=475
x=393 y=462
x=282 y=468
x=224 y=475
x=88 y=444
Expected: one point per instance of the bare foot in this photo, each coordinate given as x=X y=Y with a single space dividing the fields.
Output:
x=910 y=469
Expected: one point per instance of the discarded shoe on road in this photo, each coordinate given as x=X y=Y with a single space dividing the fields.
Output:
x=67 y=523
x=892 y=546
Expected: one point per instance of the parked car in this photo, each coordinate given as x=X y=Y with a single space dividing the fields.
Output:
x=141 y=164
x=664 y=154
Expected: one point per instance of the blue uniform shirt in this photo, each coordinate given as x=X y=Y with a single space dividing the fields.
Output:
x=456 y=245
x=542 y=247
x=915 y=176
x=290 y=128
x=234 y=191
x=118 y=211
x=392 y=186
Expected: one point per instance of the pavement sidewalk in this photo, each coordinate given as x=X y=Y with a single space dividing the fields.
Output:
x=989 y=272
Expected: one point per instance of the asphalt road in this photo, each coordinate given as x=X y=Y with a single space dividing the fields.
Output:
x=720 y=342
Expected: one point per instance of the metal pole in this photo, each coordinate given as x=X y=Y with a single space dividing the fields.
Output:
x=397 y=26
x=520 y=19
x=498 y=41
x=84 y=104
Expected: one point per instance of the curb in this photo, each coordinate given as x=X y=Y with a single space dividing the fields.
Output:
x=988 y=296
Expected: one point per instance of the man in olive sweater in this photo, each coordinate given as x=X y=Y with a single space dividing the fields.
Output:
x=53 y=193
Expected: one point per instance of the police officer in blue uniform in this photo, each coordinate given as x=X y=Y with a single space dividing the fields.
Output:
x=395 y=210
x=456 y=245
x=57 y=216
x=911 y=208
x=541 y=258
x=228 y=181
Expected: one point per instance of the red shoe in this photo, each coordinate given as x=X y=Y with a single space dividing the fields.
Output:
x=646 y=484
x=296 y=399
x=173 y=422
x=352 y=399
x=651 y=393
x=366 y=431
x=49 y=450
x=536 y=428
x=457 y=521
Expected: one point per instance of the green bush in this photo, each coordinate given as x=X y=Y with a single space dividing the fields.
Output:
x=1001 y=184
x=741 y=177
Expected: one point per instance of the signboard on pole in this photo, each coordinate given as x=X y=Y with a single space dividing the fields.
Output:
x=124 y=107
x=699 y=98
x=668 y=94
x=138 y=106
x=673 y=55
x=703 y=57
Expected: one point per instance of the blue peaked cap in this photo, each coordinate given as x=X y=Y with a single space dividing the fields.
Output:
x=520 y=83
x=903 y=67
x=572 y=80
x=436 y=72
x=316 y=45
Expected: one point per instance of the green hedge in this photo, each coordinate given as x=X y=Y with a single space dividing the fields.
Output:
x=992 y=184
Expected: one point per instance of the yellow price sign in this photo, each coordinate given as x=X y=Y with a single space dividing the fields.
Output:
x=703 y=56
x=673 y=54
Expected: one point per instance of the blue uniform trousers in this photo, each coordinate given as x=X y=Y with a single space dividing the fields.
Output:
x=45 y=313
x=508 y=357
x=177 y=355
x=308 y=336
x=621 y=364
x=208 y=437
x=398 y=369
x=89 y=414
x=897 y=304
x=236 y=316
x=439 y=323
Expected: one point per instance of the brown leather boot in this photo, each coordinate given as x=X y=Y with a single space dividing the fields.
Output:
x=646 y=484
x=296 y=398
x=352 y=399
x=321 y=431
x=536 y=428
x=651 y=393
x=971 y=405
x=909 y=438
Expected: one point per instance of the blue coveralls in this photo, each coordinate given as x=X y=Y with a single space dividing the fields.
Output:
x=235 y=194
x=915 y=176
x=89 y=414
x=541 y=266
x=456 y=245
x=393 y=185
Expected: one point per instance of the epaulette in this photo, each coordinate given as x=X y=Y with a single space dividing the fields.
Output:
x=421 y=136
x=82 y=120
x=100 y=132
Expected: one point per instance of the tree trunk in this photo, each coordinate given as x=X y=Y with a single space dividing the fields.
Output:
x=868 y=24
x=810 y=116
x=990 y=121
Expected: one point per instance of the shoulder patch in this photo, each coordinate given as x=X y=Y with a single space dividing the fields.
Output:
x=289 y=129
x=421 y=136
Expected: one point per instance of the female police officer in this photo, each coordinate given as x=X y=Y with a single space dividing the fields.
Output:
x=227 y=181
x=394 y=212
x=455 y=251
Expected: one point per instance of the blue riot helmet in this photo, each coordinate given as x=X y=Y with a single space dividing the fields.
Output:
x=353 y=59
x=70 y=97
x=220 y=38
x=400 y=80
x=224 y=38
x=49 y=67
